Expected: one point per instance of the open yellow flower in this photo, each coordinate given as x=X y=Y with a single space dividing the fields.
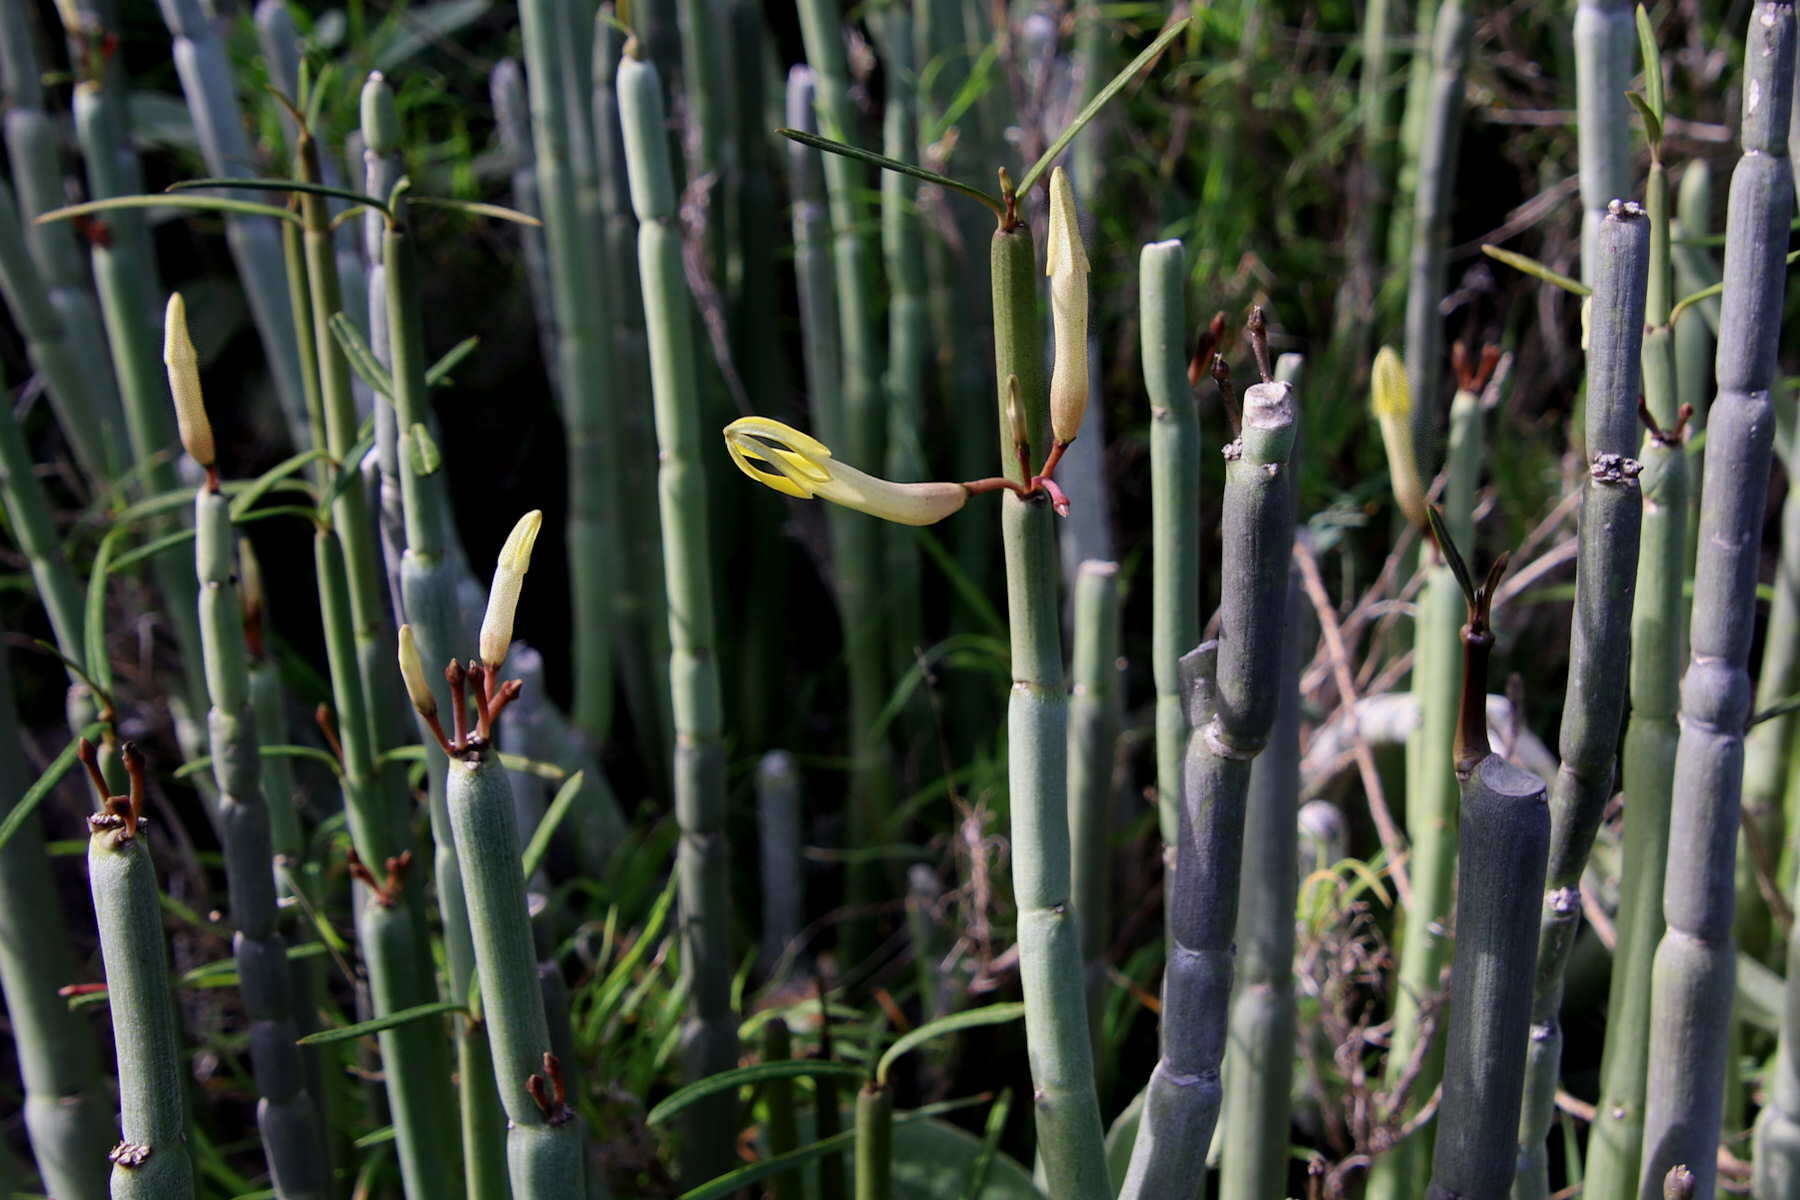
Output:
x=794 y=464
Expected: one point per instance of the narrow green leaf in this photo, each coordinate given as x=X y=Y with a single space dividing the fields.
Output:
x=1652 y=123
x=439 y=371
x=247 y=208
x=475 y=209
x=1447 y=546
x=98 y=667
x=1653 y=77
x=1101 y=99
x=204 y=762
x=422 y=451
x=262 y=484
x=546 y=826
x=53 y=774
x=892 y=164
x=405 y=1016
x=1536 y=269
x=990 y=1145
x=283 y=185
x=1687 y=302
x=724 y=1081
x=1780 y=708
x=350 y=470
x=361 y=356
x=972 y=89
x=151 y=549
x=993 y=1014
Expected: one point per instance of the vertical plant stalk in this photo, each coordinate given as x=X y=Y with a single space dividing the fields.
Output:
x=1431 y=819
x=1599 y=651
x=1769 y=744
x=1694 y=336
x=874 y=1142
x=583 y=359
x=1056 y=1028
x=903 y=384
x=1375 y=170
x=82 y=412
x=80 y=377
x=285 y=1114
x=1605 y=39
x=1095 y=714
x=1259 y=1075
x=1233 y=691
x=856 y=430
x=371 y=625
x=200 y=61
x=543 y=1139
x=1440 y=135
x=151 y=1161
x=431 y=574
x=63 y=1106
x=1505 y=838
x=782 y=1129
x=1691 y=1001
x=778 y=826
x=1650 y=732
x=34 y=533
x=1175 y=513
x=512 y=124
x=125 y=272
x=389 y=924
x=638 y=601
x=382 y=171
x=710 y=1033
x=1768 y=755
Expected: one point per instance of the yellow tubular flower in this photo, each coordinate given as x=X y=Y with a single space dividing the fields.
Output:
x=1066 y=264
x=798 y=465
x=509 y=578
x=412 y=671
x=184 y=383
x=1392 y=401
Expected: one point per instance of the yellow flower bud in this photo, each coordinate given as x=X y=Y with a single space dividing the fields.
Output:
x=798 y=465
x=509 y=578
x=1391 y=397
x=412 y=671
x=184 y=383
x=1066 y=264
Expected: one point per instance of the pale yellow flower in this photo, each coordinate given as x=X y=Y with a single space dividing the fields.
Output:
x=1066 y=263
x=412 y=671
x=802 y=466
x=1392 y=400
x=503 y=596
x=184 y=383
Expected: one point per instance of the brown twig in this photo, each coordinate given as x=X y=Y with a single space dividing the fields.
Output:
x=1391 y=839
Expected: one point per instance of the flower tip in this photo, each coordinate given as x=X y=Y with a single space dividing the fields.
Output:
x=184 y=383
x=1065 y=251
x=509 y=580
x=1391 y=394
x=516 y=553
x=412 y=672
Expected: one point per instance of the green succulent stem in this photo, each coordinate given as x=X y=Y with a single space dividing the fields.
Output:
x=1259 y=1071
x=1095 y=714
x=710 y=1033
x=561 y=143
x=151 y=1161
x=1599 y=651
x=874 y=1143
x=286 y=1114
x=543 y=1140
x=1232 y=691
x=1056 y=1027
x=1175 y=509
x=57 y=1060
x=1651 y=731
x=1693 y=976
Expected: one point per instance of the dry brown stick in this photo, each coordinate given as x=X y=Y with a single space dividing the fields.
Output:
x=1391 y=839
